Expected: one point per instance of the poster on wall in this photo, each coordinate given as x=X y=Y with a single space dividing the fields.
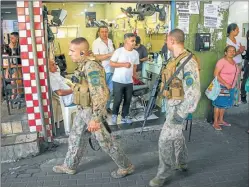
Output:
x=210 y=10
x=183 y=23
x=188 y=7
x=194 y=7
x=210 y=22
x=90 y=19
x=182 y=7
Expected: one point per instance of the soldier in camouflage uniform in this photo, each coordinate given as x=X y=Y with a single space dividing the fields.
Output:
x=172 y=147
x=89 y=119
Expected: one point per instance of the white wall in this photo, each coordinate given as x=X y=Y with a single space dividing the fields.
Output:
x=238 y=13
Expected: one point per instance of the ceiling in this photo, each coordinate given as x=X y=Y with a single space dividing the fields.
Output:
x=8 y=8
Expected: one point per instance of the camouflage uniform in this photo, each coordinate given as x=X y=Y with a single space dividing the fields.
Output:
x=78 y=138
x=172 y=147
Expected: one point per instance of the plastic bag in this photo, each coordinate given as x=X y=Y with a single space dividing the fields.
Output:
x=213 y=90
x=247 y=85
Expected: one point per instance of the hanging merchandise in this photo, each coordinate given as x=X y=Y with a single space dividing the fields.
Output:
x=49 y=31
x=50 y=35
x=135 y=30
x=60 y=60
x=162 y=12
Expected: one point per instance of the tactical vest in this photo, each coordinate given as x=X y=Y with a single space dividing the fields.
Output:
x=175 y=88
x=81 y=89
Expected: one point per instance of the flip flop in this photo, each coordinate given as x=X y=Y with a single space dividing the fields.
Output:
x=225 y=124
x=217 y=128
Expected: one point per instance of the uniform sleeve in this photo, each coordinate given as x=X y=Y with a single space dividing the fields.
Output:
x=96 y=82
x=95 y=48
x=192 y=90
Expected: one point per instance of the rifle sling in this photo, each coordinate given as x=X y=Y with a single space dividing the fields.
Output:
x=176 y=72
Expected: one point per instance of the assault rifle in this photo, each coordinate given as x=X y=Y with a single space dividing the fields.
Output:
x=154 y=93
x=93 y=142
x=156 y=89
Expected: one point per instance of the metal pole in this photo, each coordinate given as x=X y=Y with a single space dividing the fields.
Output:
x=37 y=76
x=190 y=130
x=47 y=69
x=173 y=16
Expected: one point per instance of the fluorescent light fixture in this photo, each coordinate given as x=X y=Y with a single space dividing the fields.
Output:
x=91 y=5
x=7 y=12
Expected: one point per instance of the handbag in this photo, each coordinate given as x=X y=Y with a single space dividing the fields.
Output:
x=247 y=85
x=213 y=90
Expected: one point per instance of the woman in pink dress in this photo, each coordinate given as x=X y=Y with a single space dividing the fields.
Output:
x=227 y=72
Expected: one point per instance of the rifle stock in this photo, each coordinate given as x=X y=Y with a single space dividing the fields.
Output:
x=154 y=93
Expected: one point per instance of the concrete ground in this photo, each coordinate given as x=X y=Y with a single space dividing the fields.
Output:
x=216 y=159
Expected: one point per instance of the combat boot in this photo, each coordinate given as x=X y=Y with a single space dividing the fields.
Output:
x=183 y=167
x=120 y=173
x=156 y=182
x=63 y=169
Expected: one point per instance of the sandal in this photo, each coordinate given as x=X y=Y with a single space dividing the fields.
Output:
x=225 y=124
x=217 y=128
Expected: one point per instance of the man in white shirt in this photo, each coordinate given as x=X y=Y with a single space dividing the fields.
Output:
x=103 y=49
x=58 y=84
x=125 y=61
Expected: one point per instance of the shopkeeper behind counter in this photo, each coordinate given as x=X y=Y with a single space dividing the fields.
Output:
x=14 y=71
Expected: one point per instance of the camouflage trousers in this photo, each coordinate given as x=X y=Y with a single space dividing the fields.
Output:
x=78 y=140
x=172 y=147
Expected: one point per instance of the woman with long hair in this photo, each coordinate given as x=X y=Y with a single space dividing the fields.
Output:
x=227 y=72
x=232 y=32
